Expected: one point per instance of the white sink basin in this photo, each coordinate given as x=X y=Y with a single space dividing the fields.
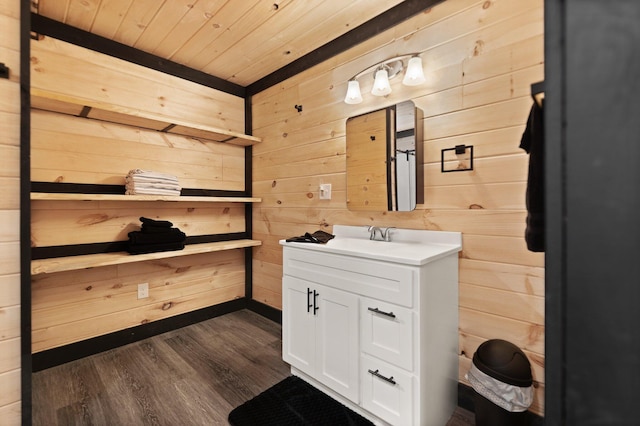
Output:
x=408 y=246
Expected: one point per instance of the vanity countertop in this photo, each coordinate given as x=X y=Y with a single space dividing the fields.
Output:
x=407 y=246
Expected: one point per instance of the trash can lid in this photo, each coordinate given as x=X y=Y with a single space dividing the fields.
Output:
x=503 y=361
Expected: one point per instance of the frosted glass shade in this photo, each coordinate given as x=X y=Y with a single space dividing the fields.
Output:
x=381 y=86
x=353 y=93
x=414 y=74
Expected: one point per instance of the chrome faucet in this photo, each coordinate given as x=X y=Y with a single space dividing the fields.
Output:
x=385 y=234
x=373 y=230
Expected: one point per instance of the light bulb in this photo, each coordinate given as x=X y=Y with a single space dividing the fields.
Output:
x=414 y=74
x=381 y=86
x=353 y=93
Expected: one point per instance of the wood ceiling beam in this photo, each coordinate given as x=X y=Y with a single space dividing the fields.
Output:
x=49 y=27
x=371 y=28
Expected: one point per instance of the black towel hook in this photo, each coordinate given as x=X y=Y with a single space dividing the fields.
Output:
x=537 y=92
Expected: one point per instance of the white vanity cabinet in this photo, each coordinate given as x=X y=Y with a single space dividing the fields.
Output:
x=375 y=324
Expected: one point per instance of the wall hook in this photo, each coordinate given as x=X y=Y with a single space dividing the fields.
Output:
x=4 y=70
x=537 y=92
x=298 y=108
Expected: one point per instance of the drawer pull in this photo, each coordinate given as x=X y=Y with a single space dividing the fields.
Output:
x=309 y=305
x=378 y=311
x=386 y=379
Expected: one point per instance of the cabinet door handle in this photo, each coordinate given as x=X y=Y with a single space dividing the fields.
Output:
x=386 y=379
x=378 y=311
x=315 y=301
x=309 y=305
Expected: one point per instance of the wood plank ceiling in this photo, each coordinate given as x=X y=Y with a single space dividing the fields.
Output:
x=240 y=41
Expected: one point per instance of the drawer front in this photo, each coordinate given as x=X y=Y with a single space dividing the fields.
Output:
x=380 y=280
x=387 y=332
x=387 y=391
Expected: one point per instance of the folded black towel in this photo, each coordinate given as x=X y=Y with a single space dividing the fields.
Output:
x=154 y=248
x=171 y=235
x=152 y=223
x=318 y=237
x=155 y=229
x=155 y=236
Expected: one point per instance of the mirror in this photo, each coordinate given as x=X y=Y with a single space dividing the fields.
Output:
x=384 y=159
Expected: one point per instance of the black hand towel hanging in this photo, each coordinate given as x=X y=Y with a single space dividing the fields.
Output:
x=533 y=143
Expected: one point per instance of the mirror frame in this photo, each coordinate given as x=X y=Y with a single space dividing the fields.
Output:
x=375 y=169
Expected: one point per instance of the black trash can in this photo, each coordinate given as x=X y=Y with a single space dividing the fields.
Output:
x=502 y=380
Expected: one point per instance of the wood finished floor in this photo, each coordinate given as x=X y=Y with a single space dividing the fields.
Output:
x=192 y=376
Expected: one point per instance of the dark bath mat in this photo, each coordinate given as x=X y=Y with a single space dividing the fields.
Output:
x=294 y=402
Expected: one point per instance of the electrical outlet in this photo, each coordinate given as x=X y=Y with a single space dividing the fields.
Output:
x=143 y=290
x=325 y=191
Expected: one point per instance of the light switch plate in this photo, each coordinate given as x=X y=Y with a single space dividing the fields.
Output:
x=143 y=290
x=325 y=191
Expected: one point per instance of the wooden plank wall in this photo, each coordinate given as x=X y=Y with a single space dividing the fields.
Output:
x=64 y=68
x=10 y=215
x=72 y=306
x=480 y=59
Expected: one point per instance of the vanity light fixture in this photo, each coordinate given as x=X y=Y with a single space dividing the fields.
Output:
x=385 y=71
x=414 y=75
x=381 y=85
x=353 y=93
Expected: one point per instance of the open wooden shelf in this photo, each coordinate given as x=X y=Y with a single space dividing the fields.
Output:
x=55 y=196
x=65 y=104
x=74 y=263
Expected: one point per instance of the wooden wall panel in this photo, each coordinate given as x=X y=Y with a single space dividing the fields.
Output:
x=73 y=149
x=73 y=306
x=480 y=59
x=10 y=331
x=83 y=222
x=61 y=67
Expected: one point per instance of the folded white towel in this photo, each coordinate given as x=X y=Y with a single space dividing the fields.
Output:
x=151 y=191
x=140 y=178
x=147 y=182
x=152 y=185
x=151 y=174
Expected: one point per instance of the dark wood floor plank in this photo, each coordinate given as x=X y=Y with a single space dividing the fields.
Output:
x=125 y=390
x=201 y=404
x=192 y=376
x=81 y=385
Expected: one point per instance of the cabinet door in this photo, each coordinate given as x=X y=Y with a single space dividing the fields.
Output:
x=337 y=341
x=298 y=324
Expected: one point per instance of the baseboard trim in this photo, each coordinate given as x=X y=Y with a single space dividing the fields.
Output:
x=74 y=351
x=265 y=310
